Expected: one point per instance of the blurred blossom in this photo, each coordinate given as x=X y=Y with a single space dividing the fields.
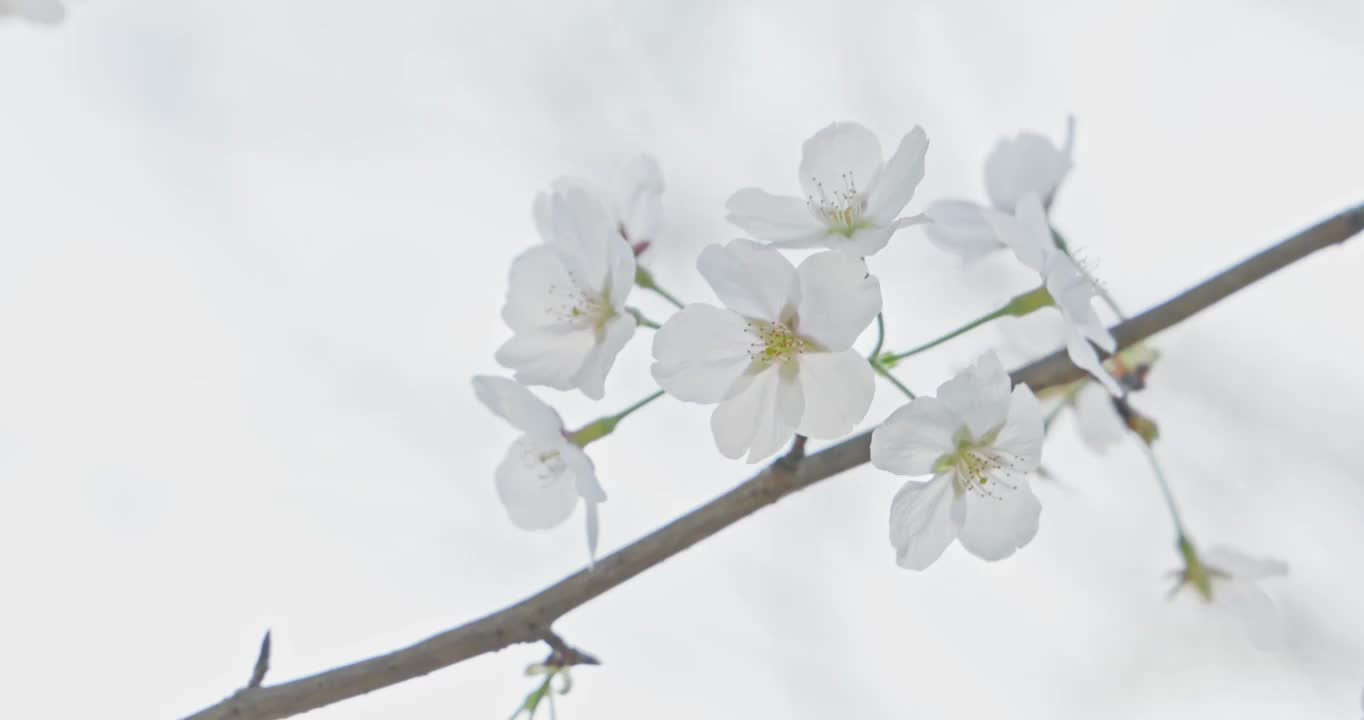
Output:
x=634 y=201
x=46 y=12
x=1228 y=578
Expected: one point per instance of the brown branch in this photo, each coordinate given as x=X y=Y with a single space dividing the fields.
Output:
x=530 y=619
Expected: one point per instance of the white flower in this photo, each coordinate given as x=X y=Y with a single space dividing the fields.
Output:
x=980 y=442
x=1028 y=234
x=777 y=360
x=635 y=201
x=1229 y=578
x=544 y=473
x=852 y=201
x=566 y=299
x=1026 y=163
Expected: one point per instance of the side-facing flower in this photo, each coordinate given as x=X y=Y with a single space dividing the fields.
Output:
x=634 y=201
x=1028 y=234
x=544 y=473
x=852 y=200
x=566 y=299
x=777 y=358
x=1025 y=163
x=1227 y=577
x=44 y=12
x=979 y=441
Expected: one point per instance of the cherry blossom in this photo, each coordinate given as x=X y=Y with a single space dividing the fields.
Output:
x=566 y=298
x=1026 y=163
x=1229 y=579
x=544 y=473
x=979 y=441
x=634 y=201
x=777 y=359
x=852 y=198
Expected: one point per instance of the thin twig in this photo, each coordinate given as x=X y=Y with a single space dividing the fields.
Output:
x=530 y=619
x=262 y=663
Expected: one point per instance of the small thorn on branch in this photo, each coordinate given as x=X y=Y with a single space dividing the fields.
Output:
x=791 y=460
x=262 y=663
x=563 y=655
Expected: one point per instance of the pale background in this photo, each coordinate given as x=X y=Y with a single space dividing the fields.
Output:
x=252 y=252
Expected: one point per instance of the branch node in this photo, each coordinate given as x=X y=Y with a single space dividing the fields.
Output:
x=562 y=655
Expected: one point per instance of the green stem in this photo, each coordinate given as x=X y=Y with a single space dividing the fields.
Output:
x=626 y=412
x=1165 y=490
x=880 y=337
x=893 y=380
x=642 y=320
x=959 y=331
x=645 y=279
x=601 y=427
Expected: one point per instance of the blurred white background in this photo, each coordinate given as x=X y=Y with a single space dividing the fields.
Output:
x=252 y=252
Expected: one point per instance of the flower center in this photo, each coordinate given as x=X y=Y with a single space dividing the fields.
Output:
x=978 y=468
x=775 y=343
x=580 y=310
x=842 y=208
x=547 y=463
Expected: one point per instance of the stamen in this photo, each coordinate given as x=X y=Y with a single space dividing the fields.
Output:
x=842 y=209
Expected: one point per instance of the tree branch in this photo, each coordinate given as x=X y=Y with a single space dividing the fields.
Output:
x=530 y=619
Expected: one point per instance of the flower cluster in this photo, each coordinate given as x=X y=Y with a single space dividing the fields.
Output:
x=774 y=354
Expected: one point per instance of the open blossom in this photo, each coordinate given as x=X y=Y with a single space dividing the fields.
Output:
x=1028 y=234
x=634 y=201
x=543 y=474
x=566 y=298
x=979 y=441
x=1026 y=163
x=1228 y=578
x=777 y=358
x=852 y=199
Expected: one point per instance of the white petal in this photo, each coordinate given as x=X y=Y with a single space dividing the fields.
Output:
x=1032 y=336
x=921 y=525
x=637 y=198
x=701 y=352
x=865 y=241
x=760 y=419
x=621 y=273
x=512 y=402
x=840 y=157
x=538 y=289
x=838 y=388
x=1075 y=293
x=1240 y=565
x=1084 y=356
x=1028 y=163
x=593 y=529
x=1026 y=232
x=979 y=395
x=1021 y=436
x=750 y=279
x=583 y=234
x=1253 y=607
x=591 y=376
x=999 y=520
x=535 y=485
x=1097 y=420
x=547 y=357
x=838 y=299
x=914 y=437
x=786 y=221
x=960 y=228
x=901 y=175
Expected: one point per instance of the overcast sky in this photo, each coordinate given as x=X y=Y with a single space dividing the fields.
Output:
x=252 y=252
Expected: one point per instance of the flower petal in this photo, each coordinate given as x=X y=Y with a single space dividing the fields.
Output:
x=1240 y=565
x=583 y=234
x=921 y=524
x=591 y=376
x=534 y=484
x=843 y=156
x=914 y=437
x=512 y=402
x=637 y=199
x=701 y=352
x=838 y=388
x=901 y=175
x=960 y=228
x=550 y=357
x=760 y=418
x=1026 y=232
x=838 y=299
x=979 y=395
x=1255 y=609
x=865 y=241
x=780 y=220
x=1096 y=420
x=750 y=279
x=999 y=520
x=1084 y=356
x=1027 y=163
x=538 y=288
x=1021 y=436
